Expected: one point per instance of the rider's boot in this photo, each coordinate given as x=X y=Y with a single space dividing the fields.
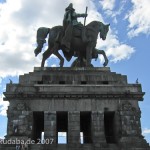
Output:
x=66 y=47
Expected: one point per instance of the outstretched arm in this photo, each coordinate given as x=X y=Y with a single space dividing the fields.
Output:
x=81 y=15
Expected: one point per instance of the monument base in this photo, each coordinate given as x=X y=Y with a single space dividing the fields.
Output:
x=94 y=107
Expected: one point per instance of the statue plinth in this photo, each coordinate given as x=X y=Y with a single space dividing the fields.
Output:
x=53 y=100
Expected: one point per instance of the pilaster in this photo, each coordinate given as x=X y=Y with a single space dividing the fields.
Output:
x=98 y=135
x=73 y=127
x=50 y=126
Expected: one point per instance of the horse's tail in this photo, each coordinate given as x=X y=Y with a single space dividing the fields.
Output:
x=42 y=33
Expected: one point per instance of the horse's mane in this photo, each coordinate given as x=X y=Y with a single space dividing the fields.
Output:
x=93 y=23
x=59 y=27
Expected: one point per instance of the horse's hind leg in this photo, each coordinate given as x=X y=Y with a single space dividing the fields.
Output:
x=55 y=49
x=46 y=55
x=60 y=57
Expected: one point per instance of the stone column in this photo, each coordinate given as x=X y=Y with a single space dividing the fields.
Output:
x=98 y=135
x=50 y=126
x=130 y=127
x=130 y=120
x=74 y=127
x=19 y=122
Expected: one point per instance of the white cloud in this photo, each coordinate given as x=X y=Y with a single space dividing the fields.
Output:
x=146 y=131
x=139 y=18
x=3 y=106
x=120 y=52
x=107 y=4
x=19 y=23
x=109 y=7
x=0 y=80
x=1 y=138
x=17 y=42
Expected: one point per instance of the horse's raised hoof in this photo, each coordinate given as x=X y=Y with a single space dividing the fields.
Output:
x=37 y=51
x=105 y=63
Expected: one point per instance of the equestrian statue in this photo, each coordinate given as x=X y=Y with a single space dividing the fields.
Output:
x=74 y=39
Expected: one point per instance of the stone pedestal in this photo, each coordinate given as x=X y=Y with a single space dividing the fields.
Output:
x=96 y=103
x=74 y=127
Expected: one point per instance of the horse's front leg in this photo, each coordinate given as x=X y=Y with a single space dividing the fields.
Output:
x=104 y=55
x=89 y=55
x=46 y=55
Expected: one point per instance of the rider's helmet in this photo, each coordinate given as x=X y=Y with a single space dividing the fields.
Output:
x=70 y=7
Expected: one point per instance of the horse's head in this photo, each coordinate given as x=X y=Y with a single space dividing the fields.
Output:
x=104 y=30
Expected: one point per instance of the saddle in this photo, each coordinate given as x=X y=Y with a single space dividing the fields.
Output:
x=79 y=31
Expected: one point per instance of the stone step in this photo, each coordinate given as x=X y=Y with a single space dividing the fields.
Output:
x=7 y=147
x=113 y=147
x=64 y=147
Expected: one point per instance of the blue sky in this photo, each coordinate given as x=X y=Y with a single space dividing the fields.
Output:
x=127 y=44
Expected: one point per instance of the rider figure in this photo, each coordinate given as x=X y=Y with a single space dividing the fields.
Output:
x=70 y=20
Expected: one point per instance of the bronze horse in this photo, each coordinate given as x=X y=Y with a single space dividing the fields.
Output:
x=82 y=46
